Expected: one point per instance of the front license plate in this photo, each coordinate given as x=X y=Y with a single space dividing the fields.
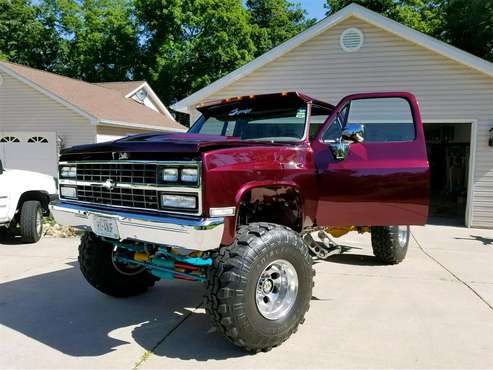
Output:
x=107 y=227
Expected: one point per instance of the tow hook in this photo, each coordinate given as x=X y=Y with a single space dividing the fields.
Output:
x=161 y=261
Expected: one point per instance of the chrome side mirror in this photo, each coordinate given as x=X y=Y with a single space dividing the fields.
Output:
x=354 y=132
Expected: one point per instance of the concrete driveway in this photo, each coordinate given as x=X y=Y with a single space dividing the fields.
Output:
x=435 y=310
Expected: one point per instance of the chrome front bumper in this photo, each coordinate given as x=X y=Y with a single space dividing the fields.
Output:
x=191 y=233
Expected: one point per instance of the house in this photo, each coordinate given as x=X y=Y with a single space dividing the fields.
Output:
x=41 y=112
x=357 y=50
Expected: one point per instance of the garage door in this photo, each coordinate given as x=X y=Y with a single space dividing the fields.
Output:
x=33 y=151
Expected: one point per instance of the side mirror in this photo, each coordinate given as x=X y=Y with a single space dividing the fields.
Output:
x=354 y=132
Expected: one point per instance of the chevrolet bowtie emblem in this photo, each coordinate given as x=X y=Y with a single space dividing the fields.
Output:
x=109 y=184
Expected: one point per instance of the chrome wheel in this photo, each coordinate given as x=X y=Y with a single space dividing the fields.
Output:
x=402 y=234
x=276 y=291
x=39 y=222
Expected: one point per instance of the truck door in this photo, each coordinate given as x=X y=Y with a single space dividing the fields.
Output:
x=382 y=180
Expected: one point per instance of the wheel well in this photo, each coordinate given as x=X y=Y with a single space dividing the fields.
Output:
x=40 y=196
x=281 y=205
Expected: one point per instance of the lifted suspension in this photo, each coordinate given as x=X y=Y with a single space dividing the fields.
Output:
x=161 y=261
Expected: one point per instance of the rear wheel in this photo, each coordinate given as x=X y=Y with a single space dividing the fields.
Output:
x=260 y=287
x=31 y=221
x=390 y=243
x=103 y=273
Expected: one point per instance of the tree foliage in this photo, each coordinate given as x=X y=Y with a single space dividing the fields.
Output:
x=275 y=21
x=25 y=36
x=98 y=38
x=180 y=46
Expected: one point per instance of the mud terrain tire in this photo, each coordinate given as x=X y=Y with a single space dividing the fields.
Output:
x=96 y=264
x=234 y=282
x=31 y=221
x=390 y=243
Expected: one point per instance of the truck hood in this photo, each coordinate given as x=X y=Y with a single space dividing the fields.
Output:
x=30 y=180
x=137 y=146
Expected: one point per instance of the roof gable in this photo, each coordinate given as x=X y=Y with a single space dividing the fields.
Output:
x=98 y=103
x=352 y=10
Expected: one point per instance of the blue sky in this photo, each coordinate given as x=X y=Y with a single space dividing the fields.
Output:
x=315 y=8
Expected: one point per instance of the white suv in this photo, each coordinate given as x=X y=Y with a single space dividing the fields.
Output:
x=24 y=199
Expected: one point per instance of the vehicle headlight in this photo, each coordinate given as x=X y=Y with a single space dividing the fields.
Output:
x=68 y=192
x=68 y=171
x=178 y=201
x=189 y=175
x=170 y=174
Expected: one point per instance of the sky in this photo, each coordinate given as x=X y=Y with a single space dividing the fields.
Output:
x=315 y=8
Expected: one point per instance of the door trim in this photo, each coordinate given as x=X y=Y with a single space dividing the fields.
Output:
x=472 y=162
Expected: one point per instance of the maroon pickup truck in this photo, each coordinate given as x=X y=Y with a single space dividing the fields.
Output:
x=240 y=200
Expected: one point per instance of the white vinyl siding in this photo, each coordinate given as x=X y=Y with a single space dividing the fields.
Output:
x=447 y=90
x=22 y=108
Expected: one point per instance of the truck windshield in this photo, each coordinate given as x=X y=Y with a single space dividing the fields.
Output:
x=254 y=123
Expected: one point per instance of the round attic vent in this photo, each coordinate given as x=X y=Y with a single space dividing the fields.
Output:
x=351 y=39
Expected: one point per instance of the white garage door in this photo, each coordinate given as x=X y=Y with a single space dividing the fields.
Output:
x=33 y=151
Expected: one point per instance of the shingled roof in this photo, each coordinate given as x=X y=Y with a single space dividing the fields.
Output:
x=105 y=104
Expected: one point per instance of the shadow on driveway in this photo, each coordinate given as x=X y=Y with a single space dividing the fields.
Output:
x=61 y=310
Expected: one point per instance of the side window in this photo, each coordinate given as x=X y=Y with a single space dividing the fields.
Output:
x=334 y=131
x=318 y=117
x=385 y=119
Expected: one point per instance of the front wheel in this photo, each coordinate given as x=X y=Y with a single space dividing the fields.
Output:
x=260 y=287
x=390 y=243
x=31 y=221
x=110 y=277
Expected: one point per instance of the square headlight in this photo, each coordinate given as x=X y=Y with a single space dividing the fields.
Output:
x=68 y=192
x=189 y=175
x=178 y=201
x=170 y=174
x=68 y=171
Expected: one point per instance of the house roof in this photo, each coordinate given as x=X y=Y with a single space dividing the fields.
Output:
x=352 y=10
x=124 y=87
x=104 y=105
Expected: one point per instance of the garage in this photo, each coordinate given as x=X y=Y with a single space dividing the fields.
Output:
x=449 y=154
x=356 y=50
x=29 y=150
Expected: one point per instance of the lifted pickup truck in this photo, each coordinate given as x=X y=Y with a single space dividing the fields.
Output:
x=24 y=199
x=234 y=202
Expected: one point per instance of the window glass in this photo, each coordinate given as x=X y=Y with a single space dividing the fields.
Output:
x=334 y=131
x=252 y=123
x=385 y=119
x=318 y=117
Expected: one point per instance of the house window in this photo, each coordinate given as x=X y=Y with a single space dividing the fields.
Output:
x=37 y=139
x=9 y=139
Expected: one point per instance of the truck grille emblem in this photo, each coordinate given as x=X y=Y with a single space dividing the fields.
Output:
x=120 y=155
x=109 y=184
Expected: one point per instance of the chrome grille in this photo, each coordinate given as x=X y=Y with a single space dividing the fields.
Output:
x=122 y=173
x=122 y=197
x=129 y=184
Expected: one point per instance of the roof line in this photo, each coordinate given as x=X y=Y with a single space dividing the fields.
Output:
x=357 y=11
x=106 y=122
x=48 y=93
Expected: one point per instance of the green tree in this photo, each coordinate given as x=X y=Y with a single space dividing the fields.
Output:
x=26 y=36
x=468 y=25
x=191 y=43
x=275 y=21
x=422 y=15
x=99 y=38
